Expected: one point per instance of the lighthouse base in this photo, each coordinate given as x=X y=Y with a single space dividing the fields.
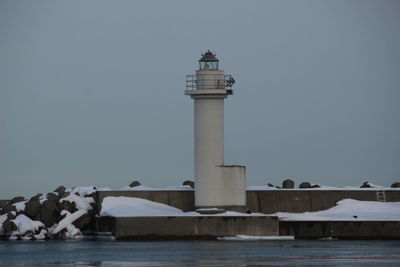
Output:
x=221 y=209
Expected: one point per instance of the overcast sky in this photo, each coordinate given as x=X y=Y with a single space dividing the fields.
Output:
x=91 y=92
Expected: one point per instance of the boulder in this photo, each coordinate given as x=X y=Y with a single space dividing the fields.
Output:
x=270 y=185
x=32 y=207
x=17 y=199
x=6 y=207
x=60 y=235
x=189 y=183
x=395 y=185
x=84 y=221
x=365 y=185
x=69 y=206
x=9 y=226
x=49 y=211
x=315 y=186
x=134 y=184
x=60 y=190
x=288 y=184
x=305 y=185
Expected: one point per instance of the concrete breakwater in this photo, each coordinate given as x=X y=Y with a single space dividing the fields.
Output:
x=258 y=201
x=263 y=201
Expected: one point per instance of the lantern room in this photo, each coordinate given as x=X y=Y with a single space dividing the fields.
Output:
x=208 y=61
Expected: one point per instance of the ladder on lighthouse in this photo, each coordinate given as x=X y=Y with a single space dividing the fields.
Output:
x=381 y=196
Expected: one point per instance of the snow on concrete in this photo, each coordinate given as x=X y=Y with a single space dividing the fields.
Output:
x=135 y=207
x=81 y=203
x=20 y=206
x=324 y=187
x=255 y=238
x=148 y=188
x=139 y=207
x=349 y=210
x=25 y=224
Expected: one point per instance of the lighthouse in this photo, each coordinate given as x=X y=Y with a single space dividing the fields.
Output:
x=218 y=186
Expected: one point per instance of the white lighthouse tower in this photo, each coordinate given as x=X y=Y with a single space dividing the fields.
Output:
x=216 y=185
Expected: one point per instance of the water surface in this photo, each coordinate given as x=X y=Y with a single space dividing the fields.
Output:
x=200 y=253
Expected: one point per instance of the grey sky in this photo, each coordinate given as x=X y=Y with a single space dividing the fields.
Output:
x=91 y=92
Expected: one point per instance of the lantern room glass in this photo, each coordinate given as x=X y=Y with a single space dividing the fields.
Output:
x=208 y=65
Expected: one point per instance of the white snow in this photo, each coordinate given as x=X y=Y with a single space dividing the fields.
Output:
x=20 y=206
x=349 y=210
x=41 y=235
x=42 y=199
x=255 y=238
x=80 y=202
x=138 y=207
x=148 y=188
x=135 y=207
x=72 y=231
x=324 y=187
x=25 y=224
x=82 y=190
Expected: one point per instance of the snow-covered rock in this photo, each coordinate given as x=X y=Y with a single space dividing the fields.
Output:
x=66 y=224
x=81 y=203
x=25 y=224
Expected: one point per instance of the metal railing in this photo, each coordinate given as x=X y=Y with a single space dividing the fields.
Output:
x=191 y=82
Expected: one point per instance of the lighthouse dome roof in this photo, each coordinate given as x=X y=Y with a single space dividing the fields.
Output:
x=208 y=56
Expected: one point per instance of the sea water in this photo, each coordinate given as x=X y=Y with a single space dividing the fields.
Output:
x=200 y=253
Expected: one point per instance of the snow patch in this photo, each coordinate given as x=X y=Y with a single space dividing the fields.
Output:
x=138 y=207
x=25 y=224
x=20 y=206
x=255 y=238
x=82 y=191
x=349 y=210
x=72 y=231
x=80 y=202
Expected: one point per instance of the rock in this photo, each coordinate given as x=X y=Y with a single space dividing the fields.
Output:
x=49 y=211
x=9 y=226
x=288 y=183
x=17 y=199
x=395 y=185
x=189 y=183
x=305 y=185
x=6 y=207
x=315 y=186
x=32 y=207
x=60 y=235
x=270 y=185
x=69 y=206
x=365 y=185
x=134 y=184
x=60 y=190
x=83 y=221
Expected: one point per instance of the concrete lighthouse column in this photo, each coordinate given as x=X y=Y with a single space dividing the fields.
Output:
x=216 y=185
x=208 y=149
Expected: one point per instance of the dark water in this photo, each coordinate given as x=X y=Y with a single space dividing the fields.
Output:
x=201 y=253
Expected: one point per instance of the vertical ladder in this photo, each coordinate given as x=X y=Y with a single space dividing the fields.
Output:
x=380 y=196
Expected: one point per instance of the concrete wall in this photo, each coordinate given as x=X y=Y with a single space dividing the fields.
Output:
x=271 y=201
x=267 y=201
x=341 y=229
x=196 y=227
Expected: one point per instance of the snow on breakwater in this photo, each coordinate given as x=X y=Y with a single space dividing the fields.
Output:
x=349 y=210
x=138 y=207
